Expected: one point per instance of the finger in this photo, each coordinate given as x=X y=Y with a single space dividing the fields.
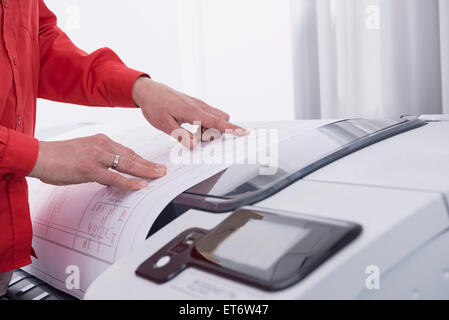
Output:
x=223 y=126
x=111 y=146
x=209 y=134
x=111 y=178
x=185 y=137
x=214 y=111
x=128 y=166
x=123 y=151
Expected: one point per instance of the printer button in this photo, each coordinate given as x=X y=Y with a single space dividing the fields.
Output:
x=26 y=289
x=162 y=262
x=42 y=296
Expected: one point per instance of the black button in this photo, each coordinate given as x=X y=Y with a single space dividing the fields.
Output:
x=7 y=176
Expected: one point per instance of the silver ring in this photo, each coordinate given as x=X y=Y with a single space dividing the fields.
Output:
x=115 y=163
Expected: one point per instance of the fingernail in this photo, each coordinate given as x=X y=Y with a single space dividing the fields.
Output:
x=161 y=171
x=143 y=184
x=242 y=132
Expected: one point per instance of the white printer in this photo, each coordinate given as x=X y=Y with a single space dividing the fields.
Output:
x=359 y=209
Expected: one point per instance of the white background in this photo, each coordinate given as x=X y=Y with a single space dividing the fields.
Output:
x=235 y=55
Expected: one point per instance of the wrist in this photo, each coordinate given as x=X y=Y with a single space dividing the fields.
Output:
x=141 y=85
x=37 y=168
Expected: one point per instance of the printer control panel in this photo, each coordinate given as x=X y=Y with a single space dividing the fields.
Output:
x=263 y=248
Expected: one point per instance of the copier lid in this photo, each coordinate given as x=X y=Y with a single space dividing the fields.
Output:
x=298 y=156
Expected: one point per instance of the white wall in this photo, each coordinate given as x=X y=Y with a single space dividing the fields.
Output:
x=247 y=58
x=233 y=54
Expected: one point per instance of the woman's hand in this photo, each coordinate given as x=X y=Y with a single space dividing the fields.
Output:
x=89 y=159
x=167 y=109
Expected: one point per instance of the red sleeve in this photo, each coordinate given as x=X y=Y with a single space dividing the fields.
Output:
x=70 y=75
x=18 y=154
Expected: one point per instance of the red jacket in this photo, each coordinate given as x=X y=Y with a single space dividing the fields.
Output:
x=38 y=60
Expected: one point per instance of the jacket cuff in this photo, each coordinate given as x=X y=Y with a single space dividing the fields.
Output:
x=19 y=157
x=123 y=79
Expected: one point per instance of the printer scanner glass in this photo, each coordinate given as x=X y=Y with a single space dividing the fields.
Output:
x=294 y=154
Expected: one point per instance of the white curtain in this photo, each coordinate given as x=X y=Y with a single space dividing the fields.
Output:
x=370 y=58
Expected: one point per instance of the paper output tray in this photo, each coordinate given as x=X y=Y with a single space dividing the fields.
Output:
x=342 y=131
x=349 y=135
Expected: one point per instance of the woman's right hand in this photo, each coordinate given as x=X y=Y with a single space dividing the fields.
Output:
x=89 y=159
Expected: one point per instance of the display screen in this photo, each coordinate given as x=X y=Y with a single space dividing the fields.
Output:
x=258 y=244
